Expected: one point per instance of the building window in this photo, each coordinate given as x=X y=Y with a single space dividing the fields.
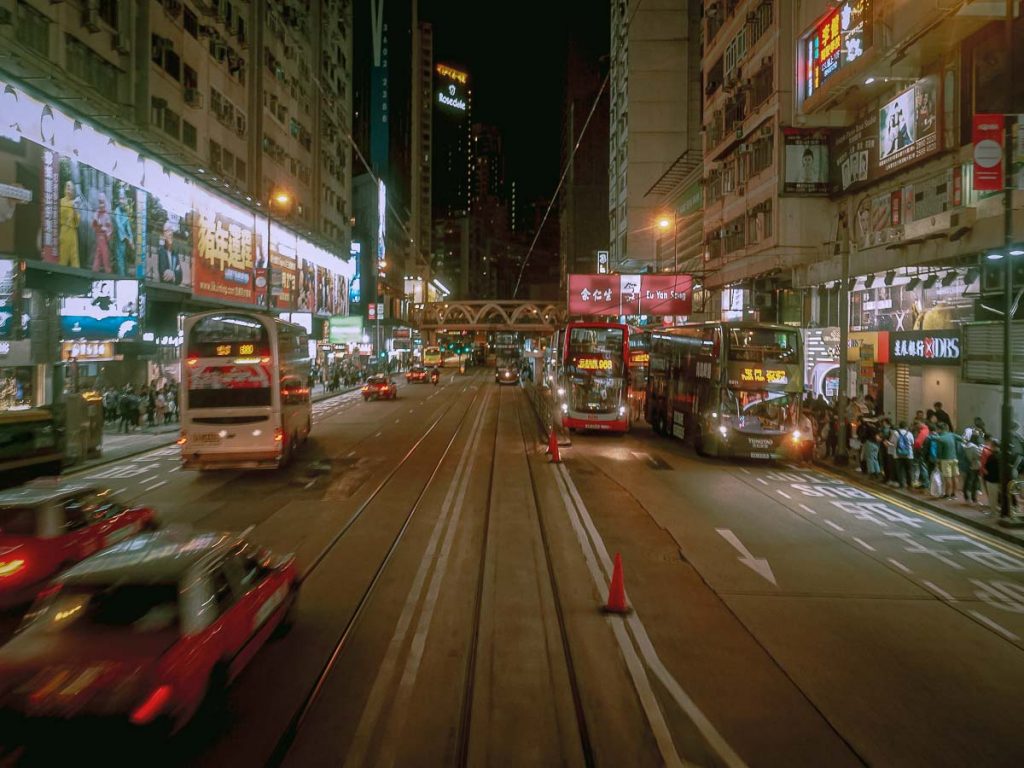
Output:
x=85 y=64
x=733 y=235
x=188 y=134
x=758 y=21
x=33 y=29
x=172 y=123
x=189 y=77
x=734 y=53
x=240 y=169
x=191 y=23
x=108 y=12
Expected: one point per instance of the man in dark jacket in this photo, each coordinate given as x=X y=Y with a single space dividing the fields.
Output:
x=942 y=417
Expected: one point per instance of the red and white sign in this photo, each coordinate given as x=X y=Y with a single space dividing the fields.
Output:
x=603 y=295
x=987 y=135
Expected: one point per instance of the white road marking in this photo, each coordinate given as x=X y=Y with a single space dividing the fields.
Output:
x=993 y=625
x=834 y=525
x=350 y=454
x=899 y=565
x=594 y=549
x=783 y=493
x=805 y=508
x=149 y=479
x=866 y=546
x=762 y=481
x=744 y=469
x=757 y=564
x=174 y=469
x=378 y=434
x=939 y=591
x=397 y=420
x=155 y=486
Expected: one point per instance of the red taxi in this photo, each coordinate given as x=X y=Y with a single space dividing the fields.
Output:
x=417 y=373
x=141 y=633
x=48 y=524
x=380 y=387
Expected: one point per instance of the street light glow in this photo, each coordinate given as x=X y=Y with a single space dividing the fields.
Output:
x=664 y=223
x=282 y=198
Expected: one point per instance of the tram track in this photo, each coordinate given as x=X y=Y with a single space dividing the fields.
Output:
x=288 y=737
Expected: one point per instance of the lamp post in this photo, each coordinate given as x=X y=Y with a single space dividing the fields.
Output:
x=282 y=199
x=663 y=224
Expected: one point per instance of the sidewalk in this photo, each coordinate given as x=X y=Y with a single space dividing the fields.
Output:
x=956 y=509
x=118 y=445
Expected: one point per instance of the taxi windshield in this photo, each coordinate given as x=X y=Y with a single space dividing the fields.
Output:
x=139 y=608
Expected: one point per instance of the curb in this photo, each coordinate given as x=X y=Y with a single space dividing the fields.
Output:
x=76 y=469
x=993 y=530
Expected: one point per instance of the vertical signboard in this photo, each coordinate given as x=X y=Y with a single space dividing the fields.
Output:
x=987 y=132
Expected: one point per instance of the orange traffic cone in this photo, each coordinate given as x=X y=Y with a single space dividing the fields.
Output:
x=553 y=446
x=617 y=590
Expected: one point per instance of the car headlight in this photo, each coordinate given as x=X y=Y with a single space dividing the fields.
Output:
x=561 y=391
x=796 y=435
x=724 y=430
x=622 y=410
x=565 y=407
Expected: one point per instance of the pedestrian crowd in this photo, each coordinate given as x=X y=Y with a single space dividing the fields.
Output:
x=928 y=454
x=127 y=409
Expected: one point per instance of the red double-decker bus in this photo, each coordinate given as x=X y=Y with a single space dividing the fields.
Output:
x=595 y=372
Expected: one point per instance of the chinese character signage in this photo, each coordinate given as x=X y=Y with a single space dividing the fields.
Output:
x=605 y=295
x=925 y=347
x=752 y=377
x=223 y=257
x=987 y=136
x=908 y=126
x=837 y=40
x=602 y=262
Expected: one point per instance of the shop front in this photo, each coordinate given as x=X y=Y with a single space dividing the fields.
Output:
x=821 y=362
x=867 y=353
x=924 y=368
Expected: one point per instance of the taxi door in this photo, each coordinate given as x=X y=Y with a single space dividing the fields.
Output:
x=81 y=534
x=263 y=592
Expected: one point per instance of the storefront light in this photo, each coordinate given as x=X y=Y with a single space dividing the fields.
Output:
x=994 y=256
x=1017 y=251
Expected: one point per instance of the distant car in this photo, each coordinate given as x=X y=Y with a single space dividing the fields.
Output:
x=417 y=373
x=507 y=374
x=49 y=524
x=140 y=633
x=380 y=387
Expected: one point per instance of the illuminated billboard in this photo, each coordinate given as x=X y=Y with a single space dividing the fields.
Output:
x=452 y=88
x=110 y=311
x=907 y=126
x=835 y=41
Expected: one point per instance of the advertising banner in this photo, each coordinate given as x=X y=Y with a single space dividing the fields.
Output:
x=166 y=241
x=838 y=39
x=223 y=259
x=110 y=311
x=806 y=162
x=908 y=126
x=603 y=295
x=987 y=133
x=925 y=347
x=345 y=330
x=307 y=286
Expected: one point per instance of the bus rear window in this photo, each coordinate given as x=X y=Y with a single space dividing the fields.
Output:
x=228 y=335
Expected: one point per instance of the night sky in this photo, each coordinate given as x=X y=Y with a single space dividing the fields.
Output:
x=515 y=56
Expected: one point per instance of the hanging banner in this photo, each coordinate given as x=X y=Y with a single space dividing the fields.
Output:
x=987 y=135
x=603 y=295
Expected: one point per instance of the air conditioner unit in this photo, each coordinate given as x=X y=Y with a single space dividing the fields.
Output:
x=122 y=42
x=205 y=30
x=91 y=20
x=240 y=125
x=193 y=97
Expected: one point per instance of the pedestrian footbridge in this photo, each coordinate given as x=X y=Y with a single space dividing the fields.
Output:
x=524 y=316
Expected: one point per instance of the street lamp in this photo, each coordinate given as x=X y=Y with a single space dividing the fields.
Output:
x=282 y=199
x=663 y=224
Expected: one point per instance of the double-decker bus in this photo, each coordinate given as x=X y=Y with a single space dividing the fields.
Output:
x=245 y=390
x=432 y=356
x=595 y=377
x=732 y=389
x=639 y=362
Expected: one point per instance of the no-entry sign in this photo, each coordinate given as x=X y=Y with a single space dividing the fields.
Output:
x=987 y=134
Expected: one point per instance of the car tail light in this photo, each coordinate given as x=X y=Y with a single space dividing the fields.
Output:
x=278 y=435
x=182 y=438
x=152 y=706
x=11 y=567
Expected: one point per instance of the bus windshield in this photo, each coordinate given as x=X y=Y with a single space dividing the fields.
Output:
x=763 y=345
x=760 y=411
x=594 y=370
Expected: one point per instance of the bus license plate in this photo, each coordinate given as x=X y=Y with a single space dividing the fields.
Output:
x=207 y=439
x=761 y=456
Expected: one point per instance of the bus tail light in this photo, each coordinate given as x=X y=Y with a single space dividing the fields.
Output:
x=182 y=438
x=278 y=435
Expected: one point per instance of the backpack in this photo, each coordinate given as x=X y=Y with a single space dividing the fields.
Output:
x=904 y=444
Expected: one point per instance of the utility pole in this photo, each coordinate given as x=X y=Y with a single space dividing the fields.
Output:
x=1006 y=430
x=842 y=446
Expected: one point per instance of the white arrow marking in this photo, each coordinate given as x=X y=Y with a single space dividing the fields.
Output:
x=756 y=564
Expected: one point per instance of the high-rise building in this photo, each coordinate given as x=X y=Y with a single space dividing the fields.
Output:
x=453 y=146
x=583 y=203
x=141 y=147
x=422 y=139
x=648 y=127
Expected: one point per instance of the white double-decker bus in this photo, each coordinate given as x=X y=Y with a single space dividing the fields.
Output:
x=244 y=390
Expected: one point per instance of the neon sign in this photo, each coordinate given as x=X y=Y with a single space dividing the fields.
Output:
x=840 y=38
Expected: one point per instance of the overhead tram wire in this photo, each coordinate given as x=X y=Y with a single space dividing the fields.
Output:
x=568 y=162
